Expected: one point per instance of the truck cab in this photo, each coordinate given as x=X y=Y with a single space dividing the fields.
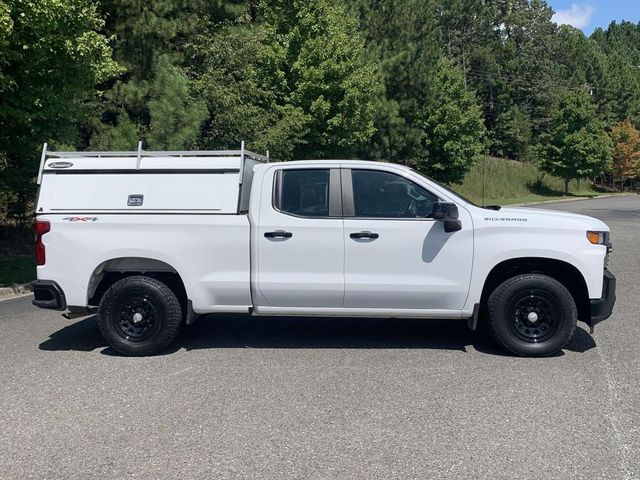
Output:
x=167 y=236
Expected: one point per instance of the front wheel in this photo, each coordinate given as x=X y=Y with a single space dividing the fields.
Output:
x=532 y=315
x=139 y=316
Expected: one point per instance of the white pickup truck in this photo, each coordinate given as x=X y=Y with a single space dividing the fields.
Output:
x=154 y=239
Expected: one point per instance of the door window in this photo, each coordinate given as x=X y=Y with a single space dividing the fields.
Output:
x=378 y=194
x=303 y=192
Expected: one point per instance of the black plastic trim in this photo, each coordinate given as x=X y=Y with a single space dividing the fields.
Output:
x=335 y=194
x=347 y=193
x=602 y=308
x=472 y=321
x=48 y=294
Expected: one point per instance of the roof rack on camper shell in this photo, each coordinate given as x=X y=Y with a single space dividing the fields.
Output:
x=139 y=154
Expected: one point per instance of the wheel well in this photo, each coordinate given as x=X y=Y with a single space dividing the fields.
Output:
x=109 y=272
x=564 y=272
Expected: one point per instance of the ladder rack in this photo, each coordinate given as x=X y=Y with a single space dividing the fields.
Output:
x=140 y=153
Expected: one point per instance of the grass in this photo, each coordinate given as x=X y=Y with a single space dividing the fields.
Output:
x=508 y=181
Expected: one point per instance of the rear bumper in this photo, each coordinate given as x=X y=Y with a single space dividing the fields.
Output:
x=601 y=308
x=48 y=294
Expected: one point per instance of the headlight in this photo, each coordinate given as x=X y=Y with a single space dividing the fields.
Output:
x=598 y=238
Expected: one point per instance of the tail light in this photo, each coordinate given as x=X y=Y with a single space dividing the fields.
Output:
x=40 y=228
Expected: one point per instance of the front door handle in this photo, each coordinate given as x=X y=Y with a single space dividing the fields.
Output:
x=278 y=234
x=366 y=234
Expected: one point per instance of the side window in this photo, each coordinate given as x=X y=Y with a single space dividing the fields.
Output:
x=378 y=194
x=303 y=192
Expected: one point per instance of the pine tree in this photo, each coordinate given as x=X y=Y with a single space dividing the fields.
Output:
x=453 y=131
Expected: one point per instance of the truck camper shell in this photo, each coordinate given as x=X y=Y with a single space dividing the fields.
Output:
x=214 y=181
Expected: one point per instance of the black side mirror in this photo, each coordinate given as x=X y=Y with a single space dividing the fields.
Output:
x=448 y=213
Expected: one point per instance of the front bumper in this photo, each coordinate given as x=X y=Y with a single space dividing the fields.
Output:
x=601 y=308
x=48 y=294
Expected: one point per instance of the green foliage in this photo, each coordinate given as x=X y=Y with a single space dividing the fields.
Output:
x=175 y=118
x=52 y=55
x=576 y=146
x=299 y=85
x=122 y=135
x=511 y=134
x=403 y=38
x=453 y=131
x=328 y=76
x=240 y=78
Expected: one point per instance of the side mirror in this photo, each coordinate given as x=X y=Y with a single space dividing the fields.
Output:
x=448 y=213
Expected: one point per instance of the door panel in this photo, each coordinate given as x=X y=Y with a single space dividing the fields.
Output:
x=300 y=239
x=411 y=264
x=406 y=262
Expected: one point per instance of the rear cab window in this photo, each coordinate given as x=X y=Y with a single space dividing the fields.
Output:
x=302 y=192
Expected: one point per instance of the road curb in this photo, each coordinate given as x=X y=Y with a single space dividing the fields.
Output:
x=563 y=200
x=16 y=290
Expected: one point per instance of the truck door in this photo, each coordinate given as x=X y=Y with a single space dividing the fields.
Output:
x=300 y=239
x=396 y=257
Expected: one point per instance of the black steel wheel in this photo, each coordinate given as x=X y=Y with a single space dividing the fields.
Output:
x=532 y=315
x=136 y=319
x=139 y=316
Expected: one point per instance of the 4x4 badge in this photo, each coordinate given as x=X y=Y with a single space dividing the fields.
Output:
x=81 y=219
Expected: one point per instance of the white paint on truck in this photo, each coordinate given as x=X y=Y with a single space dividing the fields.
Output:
x=315 y=237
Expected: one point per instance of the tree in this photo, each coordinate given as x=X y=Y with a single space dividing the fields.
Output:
x=51 y=59
x=576 y=146
x=149 y=39
x=453 y=131
x=404 y=40
x=294 y=81
x=328 y=75
x=626 y=151
x=511 y=134
x=174 y=117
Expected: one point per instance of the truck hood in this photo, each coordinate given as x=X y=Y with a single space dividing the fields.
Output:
x=550 y=217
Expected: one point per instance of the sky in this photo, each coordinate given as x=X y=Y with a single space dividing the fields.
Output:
x=589 y=14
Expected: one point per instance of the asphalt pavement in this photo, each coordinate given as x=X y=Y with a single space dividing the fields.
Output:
x=274 y=398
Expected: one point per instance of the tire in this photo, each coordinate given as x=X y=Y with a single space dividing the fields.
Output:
x=139 y=316
x=532 y=315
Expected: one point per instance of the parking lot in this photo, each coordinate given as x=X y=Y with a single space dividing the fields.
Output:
x=275 y=398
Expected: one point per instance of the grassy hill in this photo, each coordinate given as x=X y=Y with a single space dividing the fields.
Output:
x=509 y=181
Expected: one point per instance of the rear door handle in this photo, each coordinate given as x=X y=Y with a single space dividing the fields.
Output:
x=366 y=234
x=278 y=234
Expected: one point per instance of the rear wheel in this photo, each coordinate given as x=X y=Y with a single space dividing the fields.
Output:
x=139 y=316
x=532 y=315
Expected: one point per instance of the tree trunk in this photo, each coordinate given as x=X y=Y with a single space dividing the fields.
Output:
x=566 y=186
